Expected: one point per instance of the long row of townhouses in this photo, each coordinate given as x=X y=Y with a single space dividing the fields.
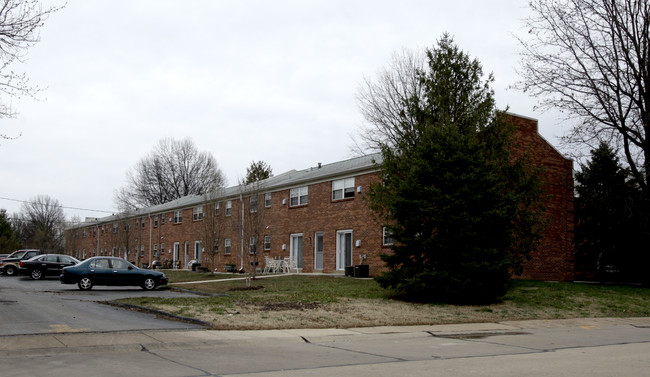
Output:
x=317 y=217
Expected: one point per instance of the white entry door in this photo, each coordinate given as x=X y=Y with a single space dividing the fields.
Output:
x=197 y=251
x=318 y=251
x=295 y=252
x=343 y=249
x=176 y=252
x=186 y=253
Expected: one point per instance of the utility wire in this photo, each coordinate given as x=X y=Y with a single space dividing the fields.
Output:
x=75 y=208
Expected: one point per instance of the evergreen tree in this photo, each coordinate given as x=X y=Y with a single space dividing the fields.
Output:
x=462 y=211
x=8 y=236
x=258 y=171
x=609 y=227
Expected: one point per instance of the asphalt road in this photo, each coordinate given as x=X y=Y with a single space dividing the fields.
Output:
x=66 y=333
x=43 y=306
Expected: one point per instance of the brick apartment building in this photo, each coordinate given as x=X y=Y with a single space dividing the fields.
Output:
x=316 y=216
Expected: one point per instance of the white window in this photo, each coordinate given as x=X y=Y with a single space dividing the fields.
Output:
x=229 y=208
x=299 y=196
x=253 y=202
x=142 y=222
x=267 y=242
x=226 y=247
x=388 y=237
x=155 y=220
x=251 y=245
x=115 y=227
x=217 y=206
x=197 y=213
x=267 y=199
x=343 y=188
x=155 y=250
x=178 y=217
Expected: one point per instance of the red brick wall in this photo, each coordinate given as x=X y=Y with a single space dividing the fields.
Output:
x=553 y=260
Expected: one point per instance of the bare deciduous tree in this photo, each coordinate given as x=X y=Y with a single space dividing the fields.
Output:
x=19 y=24
x=591 y=59
x=175 y=168
x=42 y=224
x=383 y=101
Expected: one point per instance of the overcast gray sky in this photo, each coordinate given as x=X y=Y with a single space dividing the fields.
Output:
x=245 y=80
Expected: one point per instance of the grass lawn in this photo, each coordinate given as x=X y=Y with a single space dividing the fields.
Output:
x=324 y=301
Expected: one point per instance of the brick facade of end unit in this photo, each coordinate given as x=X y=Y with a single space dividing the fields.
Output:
x=317 y=216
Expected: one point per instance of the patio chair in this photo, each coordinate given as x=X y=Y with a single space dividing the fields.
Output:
x=290 y=265
x=270 y=265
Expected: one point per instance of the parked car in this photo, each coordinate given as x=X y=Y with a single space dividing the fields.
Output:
x=110 y=271
x=9 y=265
x=44 y=265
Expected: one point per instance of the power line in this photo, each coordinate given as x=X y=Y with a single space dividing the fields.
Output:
x=75 y=208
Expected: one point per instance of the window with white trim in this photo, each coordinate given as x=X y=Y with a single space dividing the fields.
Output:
x=299 y=196
x=155 y=220
x=226 y=247
x=217 y=207
x=178 y=216
x=197 y=213
x=267 y=200
x=387 y=237
x=343 y=188
x=253 y=203
x=229 y=208
x=267 y=243
x=251 y=245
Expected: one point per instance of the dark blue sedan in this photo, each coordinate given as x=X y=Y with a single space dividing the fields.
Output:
x=110 y=271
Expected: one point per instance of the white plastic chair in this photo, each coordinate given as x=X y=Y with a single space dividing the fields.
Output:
x=290 y=265
x=270 y=265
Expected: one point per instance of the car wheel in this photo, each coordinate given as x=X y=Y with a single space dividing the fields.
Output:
x=148 y=284
x=10 y=270
x=36 y=274
x=85 y=284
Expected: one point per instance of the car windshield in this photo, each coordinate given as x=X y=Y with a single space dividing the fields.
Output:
x=17 y=254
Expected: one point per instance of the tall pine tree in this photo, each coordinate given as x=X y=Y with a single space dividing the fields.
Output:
x=462 y=210
x=610 y=239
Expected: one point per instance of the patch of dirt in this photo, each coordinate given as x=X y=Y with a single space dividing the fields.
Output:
x=347 y=313
x=251 y=288
x=278 y=306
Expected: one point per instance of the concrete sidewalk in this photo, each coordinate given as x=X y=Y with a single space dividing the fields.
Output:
x=84 y=342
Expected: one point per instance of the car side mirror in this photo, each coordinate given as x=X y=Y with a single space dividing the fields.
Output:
x=130 y=268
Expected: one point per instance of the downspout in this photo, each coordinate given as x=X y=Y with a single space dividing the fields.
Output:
x=150 y=239
x=241 y=199
x=97 y=251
